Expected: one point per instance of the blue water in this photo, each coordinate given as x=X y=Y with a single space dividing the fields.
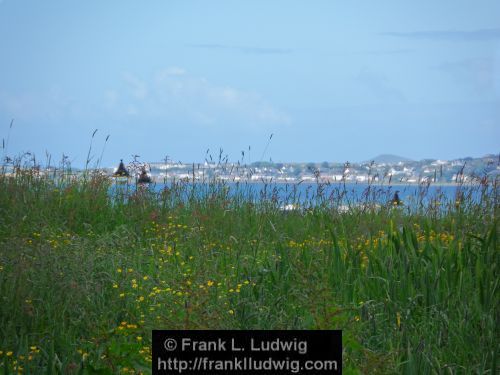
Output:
x=314 y=194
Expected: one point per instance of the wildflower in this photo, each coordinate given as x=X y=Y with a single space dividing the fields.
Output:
x=9 y=354
x=122 y=295
x=398 y=319
x=119 y=270
x=115 y=285
x=139 y=338
x=210 y=283
x=145 y=278
x=231 y=311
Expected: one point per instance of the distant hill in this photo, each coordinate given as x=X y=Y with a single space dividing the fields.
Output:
x=389 y=159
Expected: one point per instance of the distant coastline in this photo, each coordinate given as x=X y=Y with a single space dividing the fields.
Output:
x=399 y=171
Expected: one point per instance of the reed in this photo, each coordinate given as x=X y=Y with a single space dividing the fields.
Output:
x=88 y=269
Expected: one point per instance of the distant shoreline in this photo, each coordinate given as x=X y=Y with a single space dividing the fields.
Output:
x=311 y=182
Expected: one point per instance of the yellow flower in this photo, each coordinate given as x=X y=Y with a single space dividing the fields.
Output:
x=122 y=295
x=231 y=312
x=119 y=270
x=139 y=338
x=210 y=283
x=145 y=278
x=115 y=285
x=9 y=354
x=398 y=319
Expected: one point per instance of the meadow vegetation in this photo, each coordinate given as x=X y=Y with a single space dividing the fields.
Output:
x=86 y=274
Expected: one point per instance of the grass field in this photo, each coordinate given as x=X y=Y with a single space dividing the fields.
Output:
x=85 y=277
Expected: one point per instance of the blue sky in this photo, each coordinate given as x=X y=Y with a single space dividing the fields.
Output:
x=332 y=80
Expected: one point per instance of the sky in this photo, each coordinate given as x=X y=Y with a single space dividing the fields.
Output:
x=330 y=80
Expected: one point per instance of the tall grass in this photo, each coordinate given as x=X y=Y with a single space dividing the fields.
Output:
x=88 y=269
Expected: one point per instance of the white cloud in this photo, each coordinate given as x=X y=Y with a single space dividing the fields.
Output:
x=173 y=71
x=173 y=93
x=110 y=99
x=50 y=104
x=172 y=96
x=137 y=87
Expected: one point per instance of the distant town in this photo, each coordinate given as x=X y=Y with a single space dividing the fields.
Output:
x=383 y=168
